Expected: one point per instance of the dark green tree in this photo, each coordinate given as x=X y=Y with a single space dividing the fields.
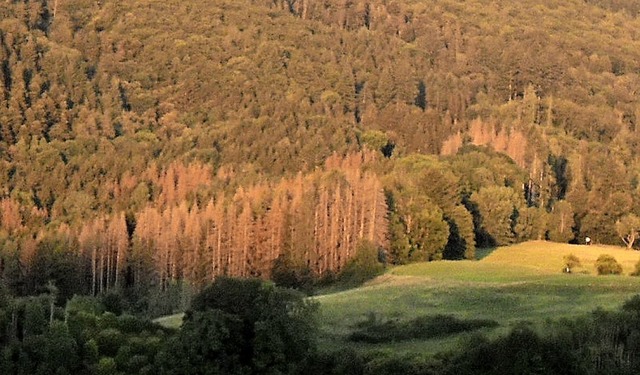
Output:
x=243 y=327
x=498 y=208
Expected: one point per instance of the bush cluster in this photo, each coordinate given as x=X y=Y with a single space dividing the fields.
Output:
x=364 y=266
x=608 y=265
x=377 y=330
x=570 y=263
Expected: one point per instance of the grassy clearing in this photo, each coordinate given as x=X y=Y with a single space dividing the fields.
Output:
x=170 y=321
x=548 y=256
x=511 y=284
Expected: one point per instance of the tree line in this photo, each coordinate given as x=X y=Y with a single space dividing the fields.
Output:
x=191 y=226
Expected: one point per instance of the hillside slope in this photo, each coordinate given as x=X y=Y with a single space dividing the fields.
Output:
x=158 y=144
x=514 y=284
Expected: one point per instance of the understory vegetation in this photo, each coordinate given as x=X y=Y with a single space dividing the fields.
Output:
x=251 y=327
x=148 y=147
x=607 y=265
x=376 y=330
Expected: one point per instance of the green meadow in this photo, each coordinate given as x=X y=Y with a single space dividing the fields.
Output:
x=510 y=285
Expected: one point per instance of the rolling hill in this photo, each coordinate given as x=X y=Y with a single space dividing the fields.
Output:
x=512 y=284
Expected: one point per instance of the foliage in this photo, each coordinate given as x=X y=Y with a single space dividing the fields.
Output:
x=636 y=270
x=150 y=147
x=82 y=341
x=522 y=351
x=376 y=330
x=54 y=262
x=364 y=266
x=6 y=302
x=498 y=209
x=224 y=141
x=598 y=342
x=209 y=342
x=426 y=216
x=248 y=326
x=571 y=261
x=243 y=326
x=461 y=243
x=628 y=228
x=399 y=246
x=286 y=274
x=632 y=304
x=516 y=283
x=86 y=304
x=608 y=265
x=561 y=222
x=531 y=224
x=112 y=302
x=376 y=140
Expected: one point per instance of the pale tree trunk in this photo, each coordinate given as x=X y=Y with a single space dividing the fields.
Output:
x=101 y=280
x=245 y=225
x=326 y=236
x=374 y=207
x=334 y=233
x=218 y=259
x=55 y=8
x=123 y=244
x=94 y=266
x=630 y=239
x=348 y=227
x=316 y=231
x=109 y=251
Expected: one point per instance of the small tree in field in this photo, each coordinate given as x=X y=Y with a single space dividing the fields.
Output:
x=628 y=229
x=608 y=265
x=570 y=262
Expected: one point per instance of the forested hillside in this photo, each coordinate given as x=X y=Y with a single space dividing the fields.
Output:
x=148 y=144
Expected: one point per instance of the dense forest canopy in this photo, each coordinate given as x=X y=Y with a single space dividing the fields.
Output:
x=146 y=144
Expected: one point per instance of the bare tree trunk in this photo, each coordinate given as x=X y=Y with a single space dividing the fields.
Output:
x=218 y=260
x=316 y=231
x=335 y=243
x=327 y=244
x=109 y=250
x=348 y=227
x=372 y=222
x=117 y=265
x=101 y=273
x=94 y=266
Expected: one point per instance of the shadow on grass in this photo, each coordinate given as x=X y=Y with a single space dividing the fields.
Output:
x=375 y=330
x=484 y=252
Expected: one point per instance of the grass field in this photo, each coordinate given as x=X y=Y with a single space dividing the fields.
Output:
x=170 y=321
x=511 y=284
